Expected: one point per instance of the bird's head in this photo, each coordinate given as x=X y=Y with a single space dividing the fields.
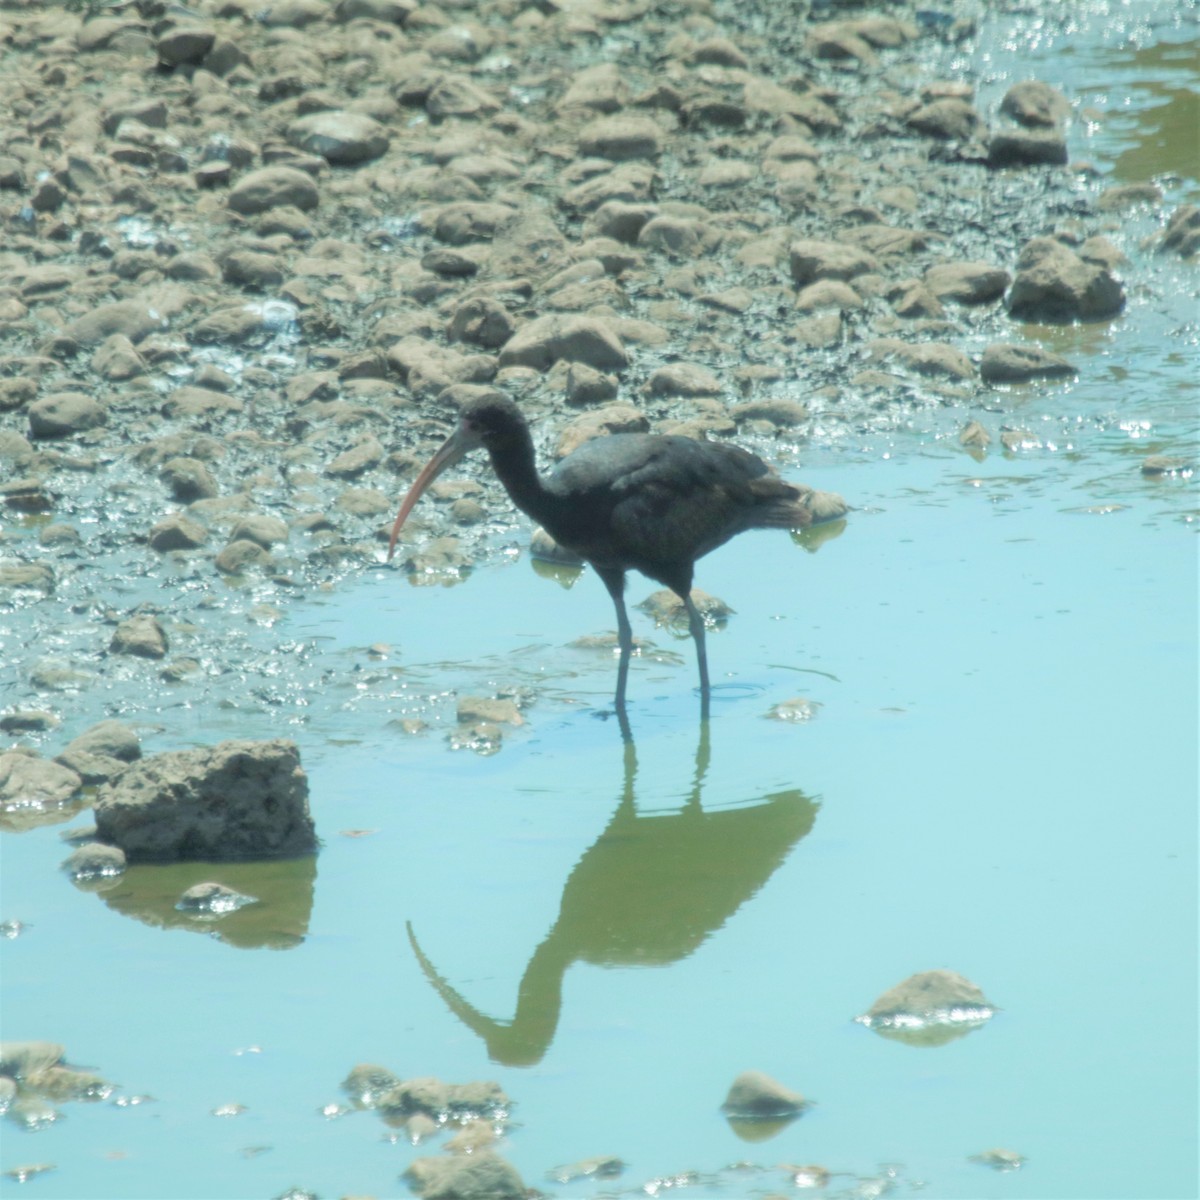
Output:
x=491 y=422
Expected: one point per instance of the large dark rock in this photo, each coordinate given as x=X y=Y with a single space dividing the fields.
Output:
x=1054 y=284
x=239 y=799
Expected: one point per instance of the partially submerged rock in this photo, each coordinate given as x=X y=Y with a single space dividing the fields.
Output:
x=1053 y=283
x=35 y=1077
x=481 y=1176
x=999 y=1159
x=754 y=1095
x=929 y=1008
x=34 y=790
x=1010 y=362
x=239 y=799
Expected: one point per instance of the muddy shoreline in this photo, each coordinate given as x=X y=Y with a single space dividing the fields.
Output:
x=254 y=261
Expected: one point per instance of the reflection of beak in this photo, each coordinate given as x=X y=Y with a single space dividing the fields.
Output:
x=459 y=444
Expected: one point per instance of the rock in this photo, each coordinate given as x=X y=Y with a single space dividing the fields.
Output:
x=1182 y=233
x=974 y=436
x=612 y=418
x=368 y=1084
x=117 y=360
x=679 y=236
x=340 y=137
x=189 y=401
x=266 y=530
x=36 y=576
x=1128 y=195
x=755 y=1095
x=480 y=1176
x=184 y=44
x=927 y=1007
x=14 y=393
x=27 y=720
x=483 y=708
x=585 y=385
x=967 y=282
x=141 y=636
x=1027 y=147
x=25 y=1060
x=466 y=222
x=252 y=269
x=1035 y=104
x=1157 y=465
x=796 y=710
x=31 y=787
x=826 y=294
x=683 y=379
x=1054 y=284
x=241 y=555
x=235 y=800
x=482 y=322
x=782 y=412
x=913 y=300
x=212 y=899
x=135 y=319
x=94 y=860
x=925 y=358
x=1008 y=362
x=189 y=479
x=63 y=413
x=388 y=12
x=667 y=608
x=274 y=187
x=545 y=340
x=177 y=532
x=621 y=138
x=948 y=118
x=606 y=1166
x=811 y=260
x=999 y=1159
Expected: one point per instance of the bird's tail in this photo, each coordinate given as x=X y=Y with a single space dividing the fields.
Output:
x=793 y=505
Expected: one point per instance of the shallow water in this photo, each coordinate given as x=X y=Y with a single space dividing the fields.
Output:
x=999 y=777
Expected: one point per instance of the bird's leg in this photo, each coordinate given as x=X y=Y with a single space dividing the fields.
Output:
x=615 y=582
x=696 y=624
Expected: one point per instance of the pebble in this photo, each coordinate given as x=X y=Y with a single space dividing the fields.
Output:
x=177 y=532
x=141 y=636
x=1027 y=147
x=754 y=1094
x=1035 y=104
x=61 y=414
x=33 y=788
x=967 y=282
x=274 y=187
x=480 y=1176
x=340 y=137
x=1008 y=362
x=811 y=259
x=545 y=340
x=94 y=860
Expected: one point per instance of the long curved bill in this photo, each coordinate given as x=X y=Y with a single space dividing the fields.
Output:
x=456 y=447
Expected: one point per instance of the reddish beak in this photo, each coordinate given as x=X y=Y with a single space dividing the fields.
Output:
x=459 y=444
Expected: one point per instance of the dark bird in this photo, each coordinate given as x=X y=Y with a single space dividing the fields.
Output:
x=629 y=501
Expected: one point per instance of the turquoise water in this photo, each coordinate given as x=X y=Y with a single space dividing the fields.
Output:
x=999 y=777
x=1000 y=780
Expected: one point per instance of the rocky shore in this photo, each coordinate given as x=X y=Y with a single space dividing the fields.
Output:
x=255 y=257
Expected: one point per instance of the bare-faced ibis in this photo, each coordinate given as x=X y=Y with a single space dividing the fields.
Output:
x=629 y=501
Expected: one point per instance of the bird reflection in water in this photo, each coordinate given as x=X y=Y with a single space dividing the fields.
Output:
x=648 y=892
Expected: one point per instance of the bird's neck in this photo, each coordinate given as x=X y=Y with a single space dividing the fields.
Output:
x=516 y=468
